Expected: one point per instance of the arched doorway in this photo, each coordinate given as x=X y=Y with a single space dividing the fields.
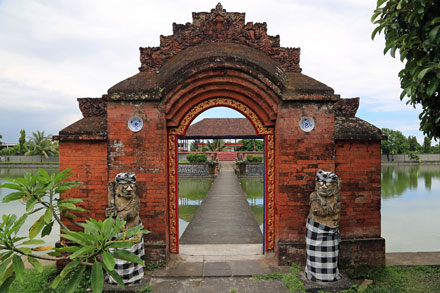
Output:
x=261 y=130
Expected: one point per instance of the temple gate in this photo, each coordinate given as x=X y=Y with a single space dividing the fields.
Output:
x=219 y=60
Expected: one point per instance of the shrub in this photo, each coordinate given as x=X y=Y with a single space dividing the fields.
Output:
x=254 y=158
x=197 y=158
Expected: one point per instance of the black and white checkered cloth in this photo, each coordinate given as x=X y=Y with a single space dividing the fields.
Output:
x=322 y=244
x=131 y=273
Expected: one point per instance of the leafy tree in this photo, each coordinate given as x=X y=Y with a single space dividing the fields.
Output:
x=194 y=147
x=427 y=145
x=217 y=145
x=251 y=145
x=396 y=143
x=413 y=28
x=22 y=142
x=39 y=144
x=1 y=136
x=90 y=248
x=436 y=149
x=414 y=145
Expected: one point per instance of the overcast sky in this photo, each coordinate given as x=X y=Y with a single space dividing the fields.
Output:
x=54 y=51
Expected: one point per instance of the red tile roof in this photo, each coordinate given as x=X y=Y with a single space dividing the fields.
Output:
x=221 y=127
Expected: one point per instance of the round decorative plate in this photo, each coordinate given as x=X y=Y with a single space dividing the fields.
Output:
x=307 y=124
x=135 y=124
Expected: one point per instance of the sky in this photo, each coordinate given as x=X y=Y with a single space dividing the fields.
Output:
x=55 y=51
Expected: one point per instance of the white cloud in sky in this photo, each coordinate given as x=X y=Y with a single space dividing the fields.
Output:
x=53 y=51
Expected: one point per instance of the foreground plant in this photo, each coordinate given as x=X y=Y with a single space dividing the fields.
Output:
x=96 y=246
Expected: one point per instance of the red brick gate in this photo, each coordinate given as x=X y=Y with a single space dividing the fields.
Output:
x=219 y=60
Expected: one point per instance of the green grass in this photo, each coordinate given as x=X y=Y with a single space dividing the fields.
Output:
x=385 y=279
x=40 y=282
x=400 y=279
x=291 y=281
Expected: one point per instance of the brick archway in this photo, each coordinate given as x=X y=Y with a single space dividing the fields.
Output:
x=221 y=60
x=180 y=130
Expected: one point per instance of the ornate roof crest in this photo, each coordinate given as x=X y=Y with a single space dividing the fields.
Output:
x=219 y=26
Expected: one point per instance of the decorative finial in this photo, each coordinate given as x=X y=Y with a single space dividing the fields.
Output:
x=219 y=7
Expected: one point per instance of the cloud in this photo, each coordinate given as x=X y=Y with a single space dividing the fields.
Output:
x=53 y=51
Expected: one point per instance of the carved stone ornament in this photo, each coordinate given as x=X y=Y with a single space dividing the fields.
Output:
x=219 y=26
x=325 y=205
x=92 y=107
x=123 y=200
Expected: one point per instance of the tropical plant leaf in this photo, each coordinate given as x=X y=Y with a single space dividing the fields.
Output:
x=47 y=229
x=82 y=251
x=116 y=277
x=97 y=277
x=75 y=280
x=19 y=223
x=69 y=267
x=4 y=288
x=109 y=261
x=11 y=186
x=120 y=244
x=13 y=196
x=68 y=249
x=33 y=242
x=4 y=256
x=30 y=204
x=48 y=215
x=3 y=267
x=128 y=256
x=35 y=263
x=7 y=273
x=36 y=227
x=18 y=265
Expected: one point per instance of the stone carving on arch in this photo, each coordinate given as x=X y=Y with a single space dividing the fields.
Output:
x=261 y=130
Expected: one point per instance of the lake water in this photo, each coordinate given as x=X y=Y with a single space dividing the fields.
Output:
x=411 y=208
x=410 y=204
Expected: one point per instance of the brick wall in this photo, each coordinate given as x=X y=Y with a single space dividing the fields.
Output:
x=298 y=155
x=358 y=164
x=88 y=161
x=144 y=153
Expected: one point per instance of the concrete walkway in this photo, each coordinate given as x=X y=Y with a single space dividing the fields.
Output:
x=224 y=217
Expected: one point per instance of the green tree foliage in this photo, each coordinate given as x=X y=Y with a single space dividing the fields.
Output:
x=22 y=142
x=396 y=143
x=88 y=248
x=251 y=145
x=194 y=147
x=414 y=145
x=427 y=146
x=413 y=28
x=217 y=145
x=39 y=144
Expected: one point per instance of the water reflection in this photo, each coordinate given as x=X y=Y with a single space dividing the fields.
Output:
x=192 y=191
x=397 y=179
x=410 y=207
x=18 y=208
x=253 y=188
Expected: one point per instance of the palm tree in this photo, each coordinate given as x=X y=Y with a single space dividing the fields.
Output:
x=39 y=144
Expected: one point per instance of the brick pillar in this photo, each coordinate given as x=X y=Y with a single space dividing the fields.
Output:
x=299 y=155
x=144 y=153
